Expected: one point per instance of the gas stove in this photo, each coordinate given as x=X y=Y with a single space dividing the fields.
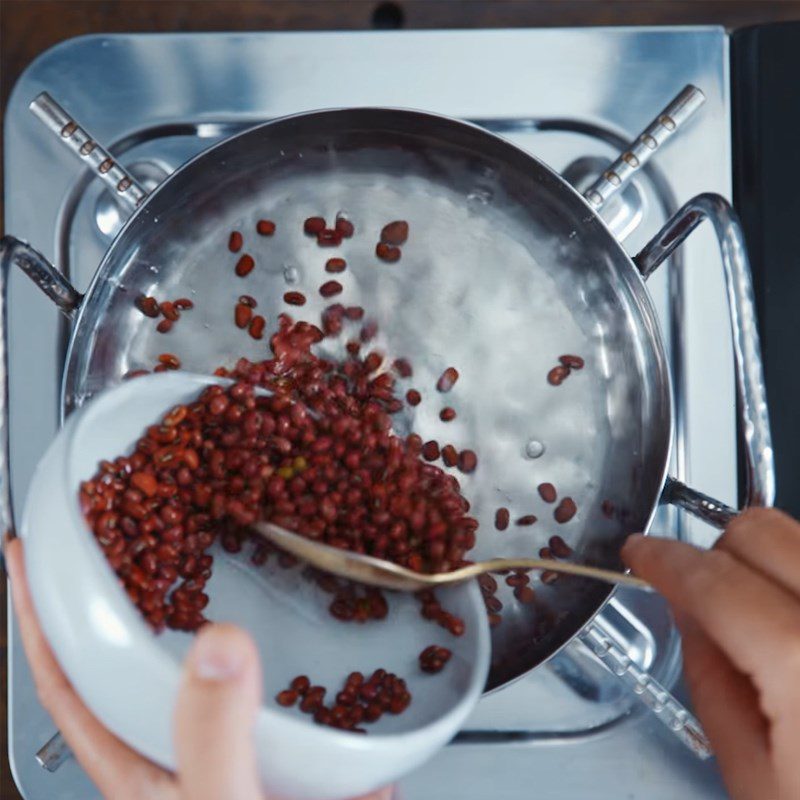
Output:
x=573 y=98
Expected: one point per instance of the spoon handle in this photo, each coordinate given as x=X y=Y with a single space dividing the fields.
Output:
x=582 y=570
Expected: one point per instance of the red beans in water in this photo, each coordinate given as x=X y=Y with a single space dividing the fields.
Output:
x=344 y=227
x=387 y=252
x=244 y=266
x=565 y=510
x=547 y=492
x=358 y=700
x=256 y=329
x=559 y=547
x=352 y=454
x=148 y=306
x=330 y=288
x=235 y=242
x=557 y=375
x=573 y=362
x=198 y=480
x=467 y=461
x=432 y=659
x=335 y=265
x=447 y=379
x=314 y=225
x=242 y=315
x=294 y=298
x=449 y=455
x=395 y=233
x=501 y=518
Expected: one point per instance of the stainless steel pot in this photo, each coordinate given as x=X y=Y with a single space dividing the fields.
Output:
x=506 y=268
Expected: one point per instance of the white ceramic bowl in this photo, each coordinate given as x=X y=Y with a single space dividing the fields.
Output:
x=129 y=676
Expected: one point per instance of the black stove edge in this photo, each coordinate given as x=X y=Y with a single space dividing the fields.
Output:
x=765 y=67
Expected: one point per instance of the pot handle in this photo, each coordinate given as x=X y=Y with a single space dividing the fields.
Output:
x=604 y=643
x=751 y=393
x=641 y=150
x=121 y=183
x=68 y=300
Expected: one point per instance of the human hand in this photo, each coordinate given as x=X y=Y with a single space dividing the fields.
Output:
x=216 y=710
x=738 y=610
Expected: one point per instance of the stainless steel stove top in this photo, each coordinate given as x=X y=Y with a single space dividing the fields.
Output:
x=573 y=98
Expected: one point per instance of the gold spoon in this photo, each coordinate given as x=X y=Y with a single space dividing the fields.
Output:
x=386 y=575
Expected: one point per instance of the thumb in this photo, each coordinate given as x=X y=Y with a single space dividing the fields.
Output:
x=218 y=701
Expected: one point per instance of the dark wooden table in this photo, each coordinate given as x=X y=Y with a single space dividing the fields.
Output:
x=28 y=27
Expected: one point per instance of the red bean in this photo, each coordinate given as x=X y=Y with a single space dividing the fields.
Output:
x=548 y=577
x=165 y=326
x=184 y=304
x=467 y=461
x=242 y=315
x=368 y=331
x=493 y=604
x=256 y=329
x=148 y=306
x=347 y=697
x=266 y=227
x=565 y=510
x=528 y=519
x=455 y=625
x=300 y=684
x=310 y=703
x=449 y=455
x=330 y=288
x=413 y=397
x=430 y=451
x=314 y=225
x=247 y=300
x=335 y=265
x=559 y=547
x=447 y=379
x=344 y=227
x=395 y=232
x=557 y=375
x=169 y=311
x=447 y=414
x=170 y=360
x=387 y=252
x=402 y=366
x=501 y=518
x=354 y=313
x=525 y=594
x=235 y=242
x=573 y=362
x=244 y=266
x=294 y=298
x=288 y=697
x=144 y=482
x=433 y=658
x=547 y=492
